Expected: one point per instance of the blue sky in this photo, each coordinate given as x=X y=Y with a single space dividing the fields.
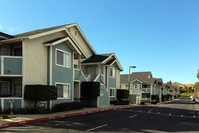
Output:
x=161 y=36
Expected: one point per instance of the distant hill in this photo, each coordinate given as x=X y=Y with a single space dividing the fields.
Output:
x=179 y=85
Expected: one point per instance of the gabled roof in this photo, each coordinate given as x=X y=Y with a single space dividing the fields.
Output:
x=40 y=31
x=106 y=59
x=5 y=36
x=51 y=30
x=95 y=59
x=110 y=62
x=141 y=76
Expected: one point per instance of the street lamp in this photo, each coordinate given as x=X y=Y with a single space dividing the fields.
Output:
x=129 y=74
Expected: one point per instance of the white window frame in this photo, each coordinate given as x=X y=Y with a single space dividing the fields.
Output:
x=112 y=76
x=111 y=88
x=69 y=66
x=63 y=90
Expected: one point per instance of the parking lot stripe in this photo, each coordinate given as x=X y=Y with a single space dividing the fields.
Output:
x=133 y=116
x=97 y=127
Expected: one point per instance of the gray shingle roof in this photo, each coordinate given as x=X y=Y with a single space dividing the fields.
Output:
x=95 y=59
x=39 y=31
x=110 y=61
x=142 y=76
x=5 y=35
x=54 y=40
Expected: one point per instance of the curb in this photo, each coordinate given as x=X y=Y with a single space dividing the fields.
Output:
x=60 y=116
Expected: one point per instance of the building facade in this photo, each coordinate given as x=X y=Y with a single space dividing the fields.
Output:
x=59 y=56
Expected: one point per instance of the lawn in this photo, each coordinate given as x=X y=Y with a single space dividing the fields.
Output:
x=186 y=94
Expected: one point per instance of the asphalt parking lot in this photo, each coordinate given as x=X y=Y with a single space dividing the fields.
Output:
x=176 y=116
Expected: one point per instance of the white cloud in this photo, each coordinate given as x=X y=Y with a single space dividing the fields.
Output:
x=9 y=29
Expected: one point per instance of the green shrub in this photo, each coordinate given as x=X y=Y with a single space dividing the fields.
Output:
x=40 y=92
x=153 y=102
x=68 y=106
x=4 y=116
x=120 y=102
x=145 y=100
x=155 y=97
x=90 y=89
x=122 y=94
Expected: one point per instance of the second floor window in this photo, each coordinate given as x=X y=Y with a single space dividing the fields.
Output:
x=63 y=58
x=112 y=72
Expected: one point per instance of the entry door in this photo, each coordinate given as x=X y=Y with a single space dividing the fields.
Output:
x=77 y=89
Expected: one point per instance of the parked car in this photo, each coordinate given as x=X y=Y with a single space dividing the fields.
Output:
x=196 y=99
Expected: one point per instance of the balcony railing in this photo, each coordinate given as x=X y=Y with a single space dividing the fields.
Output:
x=10 y=65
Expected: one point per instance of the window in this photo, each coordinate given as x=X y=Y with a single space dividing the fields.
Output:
x=17 y=89
x=112 y=92
x=63 y=58
x=144 y=86
x=17 y=51
x=112 y=72
x=136 y=86
x=63 y=90
x=4 y=89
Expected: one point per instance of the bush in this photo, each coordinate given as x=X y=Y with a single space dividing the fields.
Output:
x=4 y=116
x=68 y=106
x=122 y=94
x=120 y=102
x=40 y=92
x=166 y=97
x=143 y=101
x=153 y=102
x=155 y=97
x=90 y=89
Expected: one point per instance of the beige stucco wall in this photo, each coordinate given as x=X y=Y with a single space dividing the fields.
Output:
x=81 y=41
x=35 y=59
x=118 y=79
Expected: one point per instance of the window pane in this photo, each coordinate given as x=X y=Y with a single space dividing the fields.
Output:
x=66 y=59
x=112 y=92
x=17 y=90
x=66 y=91
x=59 y=57
x=59 y=90
x=111 y=72
x=5 y=90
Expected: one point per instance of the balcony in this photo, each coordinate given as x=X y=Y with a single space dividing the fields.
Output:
x=10 y=66
x=146 y=90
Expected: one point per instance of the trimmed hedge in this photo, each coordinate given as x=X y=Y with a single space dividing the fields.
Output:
x=120 y=102
x=40 y=92
x=166 y=97
x=122 y=94
x=90 y=89
x=155 y=97
x=68 y=106
x=154 y=102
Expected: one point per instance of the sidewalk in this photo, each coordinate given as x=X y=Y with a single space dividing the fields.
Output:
x=29 y=118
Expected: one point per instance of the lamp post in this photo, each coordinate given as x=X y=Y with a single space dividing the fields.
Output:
x=129 y=75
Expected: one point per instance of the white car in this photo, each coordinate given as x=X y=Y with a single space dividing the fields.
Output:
x=196 y=99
